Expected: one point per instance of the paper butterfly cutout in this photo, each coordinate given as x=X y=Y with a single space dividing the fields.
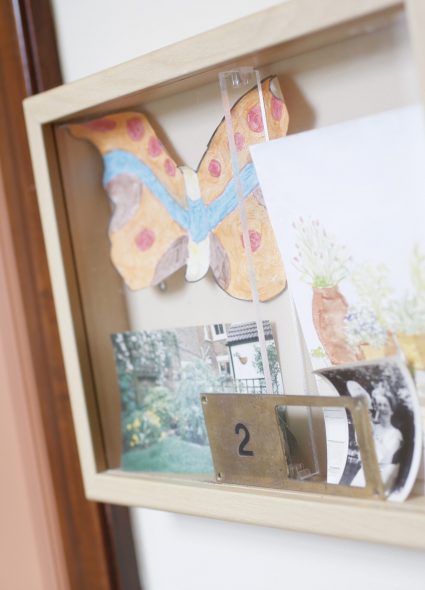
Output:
x=166 y=217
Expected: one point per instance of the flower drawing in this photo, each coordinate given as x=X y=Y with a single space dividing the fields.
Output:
x=320 y=260
x=362 y=327
x=323 y=264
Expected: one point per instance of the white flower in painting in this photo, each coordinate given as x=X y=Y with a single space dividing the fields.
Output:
x=319 y=259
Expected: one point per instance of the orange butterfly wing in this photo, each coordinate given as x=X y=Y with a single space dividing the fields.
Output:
x=147 y=245
x=228 y=258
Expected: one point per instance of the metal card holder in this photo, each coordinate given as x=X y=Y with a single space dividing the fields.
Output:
x=244 y=439
x=249 y=446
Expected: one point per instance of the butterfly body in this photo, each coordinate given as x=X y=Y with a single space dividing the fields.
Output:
x=198 y=260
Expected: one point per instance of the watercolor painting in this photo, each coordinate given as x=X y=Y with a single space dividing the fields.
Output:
x=323 y=265
x=350 y=228
x=370 y=327
x=395 y=419
x=166 y=216
x=348 y=218
x=161 y=375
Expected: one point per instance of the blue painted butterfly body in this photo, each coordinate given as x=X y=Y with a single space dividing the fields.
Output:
x=198 y=219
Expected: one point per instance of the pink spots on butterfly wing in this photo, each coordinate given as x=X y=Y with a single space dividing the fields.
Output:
x=214 y=168
x=154 y=147
x=277 y=108
x=170 y=167
x=135 y=128
x=103 y=125
x=239 y=141
x=254 y=239
x=255 y=120
x=145 y=239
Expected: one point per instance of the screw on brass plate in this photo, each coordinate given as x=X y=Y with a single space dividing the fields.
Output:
x=219 y=477
x=162 y=286
x=204 y=399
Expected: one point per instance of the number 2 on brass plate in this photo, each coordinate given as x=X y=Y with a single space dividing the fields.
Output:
x=243 y=452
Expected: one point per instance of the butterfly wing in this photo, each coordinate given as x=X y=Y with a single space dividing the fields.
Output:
x=148 y=227
x=227 y=253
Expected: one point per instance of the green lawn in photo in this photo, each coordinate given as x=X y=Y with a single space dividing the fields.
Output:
x=171 y=454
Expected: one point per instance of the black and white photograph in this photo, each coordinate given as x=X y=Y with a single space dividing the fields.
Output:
x=395 y=417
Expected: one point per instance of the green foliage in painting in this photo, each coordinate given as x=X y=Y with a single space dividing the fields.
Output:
x=417 y=270
x=407 y=315
x=372 y=285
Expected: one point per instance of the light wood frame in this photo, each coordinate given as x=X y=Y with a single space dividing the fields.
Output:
x=281 y=32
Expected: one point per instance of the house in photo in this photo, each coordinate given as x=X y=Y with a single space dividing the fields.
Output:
x=245 y=358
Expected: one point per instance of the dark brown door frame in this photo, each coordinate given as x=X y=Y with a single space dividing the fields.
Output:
x=97 y=539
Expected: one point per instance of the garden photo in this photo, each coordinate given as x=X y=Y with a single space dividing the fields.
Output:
x=161 y=375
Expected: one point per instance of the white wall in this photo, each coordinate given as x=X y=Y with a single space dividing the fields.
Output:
x=189 y=553
x=186 y=553
x=97 y=34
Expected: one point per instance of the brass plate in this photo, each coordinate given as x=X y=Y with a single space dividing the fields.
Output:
x=248 y=447
x=244 y=438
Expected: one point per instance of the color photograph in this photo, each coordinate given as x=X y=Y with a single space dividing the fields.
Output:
x=161 y=375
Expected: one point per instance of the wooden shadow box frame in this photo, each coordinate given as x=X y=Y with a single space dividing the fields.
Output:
x=301 y=36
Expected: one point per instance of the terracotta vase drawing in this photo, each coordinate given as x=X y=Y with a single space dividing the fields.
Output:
x=329 y=310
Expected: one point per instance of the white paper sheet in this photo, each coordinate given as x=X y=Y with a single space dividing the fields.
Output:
x=347 y=206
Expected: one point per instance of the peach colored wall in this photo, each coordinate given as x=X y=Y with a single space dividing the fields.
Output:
x=31 y=555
